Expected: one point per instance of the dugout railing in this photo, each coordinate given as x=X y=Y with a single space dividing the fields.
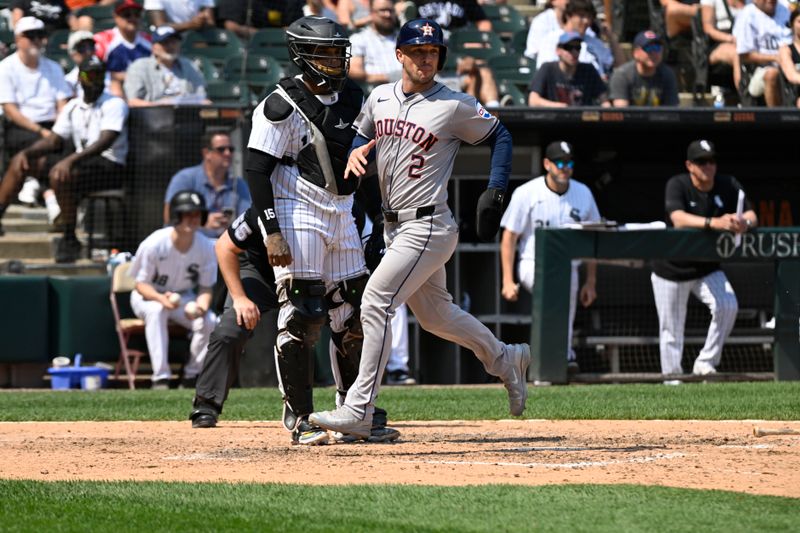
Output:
x=556 y=248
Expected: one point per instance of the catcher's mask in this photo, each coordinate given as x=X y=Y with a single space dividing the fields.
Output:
x=321 y=50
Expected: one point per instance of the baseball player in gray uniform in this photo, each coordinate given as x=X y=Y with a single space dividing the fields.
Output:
x=296 y=172
x=548 y=201
x=417 y=125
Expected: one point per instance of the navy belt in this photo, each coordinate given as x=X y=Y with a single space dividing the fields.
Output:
x=404 y=215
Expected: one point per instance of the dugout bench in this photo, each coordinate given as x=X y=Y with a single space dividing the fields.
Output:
x=555 y=249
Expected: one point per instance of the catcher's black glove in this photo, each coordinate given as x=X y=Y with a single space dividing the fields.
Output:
x=375 y=246
x=490 y=210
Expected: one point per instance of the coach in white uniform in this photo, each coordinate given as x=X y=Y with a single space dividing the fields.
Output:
x=176 y=259
x=548 y=201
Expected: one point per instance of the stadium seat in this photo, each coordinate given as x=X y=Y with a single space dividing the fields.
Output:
x=257 y=71
x=213 y=43
x=506 y=20
x=112 y=202
x=229 y=93
x=102 y=16
x=511 y=90
x=478 y=44
x=519 y=42
x=270 y=42
x=56 y=42
x=210 y=71
x=515 y=68
x=128 y=326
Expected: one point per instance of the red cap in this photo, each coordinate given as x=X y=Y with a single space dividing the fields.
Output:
x=122 y=5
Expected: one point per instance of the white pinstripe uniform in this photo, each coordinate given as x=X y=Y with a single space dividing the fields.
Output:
x=160 y=264
x=417 y=139
x=318 y=225
x=535 y=205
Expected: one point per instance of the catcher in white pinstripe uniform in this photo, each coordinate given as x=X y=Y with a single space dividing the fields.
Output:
x=550 y=201
x=299 y=141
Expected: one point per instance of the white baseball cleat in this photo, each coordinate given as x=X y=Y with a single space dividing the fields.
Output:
x=342 y=420
x=701 y=368
x=515 y=380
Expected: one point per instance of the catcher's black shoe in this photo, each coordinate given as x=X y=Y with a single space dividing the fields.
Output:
x=309 y=434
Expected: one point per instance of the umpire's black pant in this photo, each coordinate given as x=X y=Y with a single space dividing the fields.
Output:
x=221 y=366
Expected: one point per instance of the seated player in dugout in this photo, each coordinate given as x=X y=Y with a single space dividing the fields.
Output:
x=298 y=151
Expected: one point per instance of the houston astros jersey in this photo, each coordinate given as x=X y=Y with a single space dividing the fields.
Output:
x=159 y=263
x=534 y=205
x=418 y=137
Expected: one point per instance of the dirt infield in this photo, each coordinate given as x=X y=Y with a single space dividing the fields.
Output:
x=696 y=454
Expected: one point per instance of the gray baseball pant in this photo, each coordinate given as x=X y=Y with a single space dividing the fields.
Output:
x=672 y=297
x=412 y=271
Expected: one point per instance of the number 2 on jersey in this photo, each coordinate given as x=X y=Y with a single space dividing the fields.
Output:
x=416 y=166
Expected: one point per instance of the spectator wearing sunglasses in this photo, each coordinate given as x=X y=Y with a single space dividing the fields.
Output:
x=701 y=199
x=123 y=44
x=80 y=46
x=32 y=92
x=644 y=81
x=96 y=123
x=567 y=82
x=226 y=195
x=550 y=201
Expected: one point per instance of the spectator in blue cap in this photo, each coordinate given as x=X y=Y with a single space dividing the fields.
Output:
x=567 y=82
x=644 y=81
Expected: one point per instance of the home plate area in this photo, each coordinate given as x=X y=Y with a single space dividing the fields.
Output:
x=721 y=455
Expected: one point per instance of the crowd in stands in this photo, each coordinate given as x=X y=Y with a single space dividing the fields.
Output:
x=169 y=52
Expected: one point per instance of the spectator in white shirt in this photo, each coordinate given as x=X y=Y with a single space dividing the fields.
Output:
x=182 y=15
x=548 y=21
x=32 y=92
x=760 y=29
x=578 y=17
x=95 y=123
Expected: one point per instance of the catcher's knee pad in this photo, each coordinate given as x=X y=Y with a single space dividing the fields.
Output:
x=349 y=341
x=293 y=354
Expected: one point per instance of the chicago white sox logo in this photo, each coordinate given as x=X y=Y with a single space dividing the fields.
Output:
x=427 y=30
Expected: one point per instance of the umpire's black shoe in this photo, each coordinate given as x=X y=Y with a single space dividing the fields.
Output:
x=203 y=416
x=204 y=421
x=68 y=250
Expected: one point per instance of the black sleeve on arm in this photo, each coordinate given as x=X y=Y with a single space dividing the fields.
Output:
x=258 y=170
x=369 y=196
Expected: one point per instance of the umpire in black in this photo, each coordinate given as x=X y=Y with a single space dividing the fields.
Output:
x=251 y=291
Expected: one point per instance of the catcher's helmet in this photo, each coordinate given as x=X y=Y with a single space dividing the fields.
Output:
x=305 y=36
x=423 y=31
x=187 y=201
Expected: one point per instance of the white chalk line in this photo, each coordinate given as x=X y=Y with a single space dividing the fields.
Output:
x=582 y=464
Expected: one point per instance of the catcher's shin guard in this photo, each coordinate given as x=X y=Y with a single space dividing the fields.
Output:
x=295 y=342
x=348 y=342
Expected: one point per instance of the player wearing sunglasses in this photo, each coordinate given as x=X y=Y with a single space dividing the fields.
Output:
x=550 y=201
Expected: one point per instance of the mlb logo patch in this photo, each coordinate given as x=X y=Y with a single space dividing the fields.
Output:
x=481 y=111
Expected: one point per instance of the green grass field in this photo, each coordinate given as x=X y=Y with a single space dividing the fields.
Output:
x=130 y=506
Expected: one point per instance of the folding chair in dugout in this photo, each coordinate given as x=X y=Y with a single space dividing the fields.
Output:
x=128 y=325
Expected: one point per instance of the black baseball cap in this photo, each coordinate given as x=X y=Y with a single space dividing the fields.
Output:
x=558 y=150
x=700 y=149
